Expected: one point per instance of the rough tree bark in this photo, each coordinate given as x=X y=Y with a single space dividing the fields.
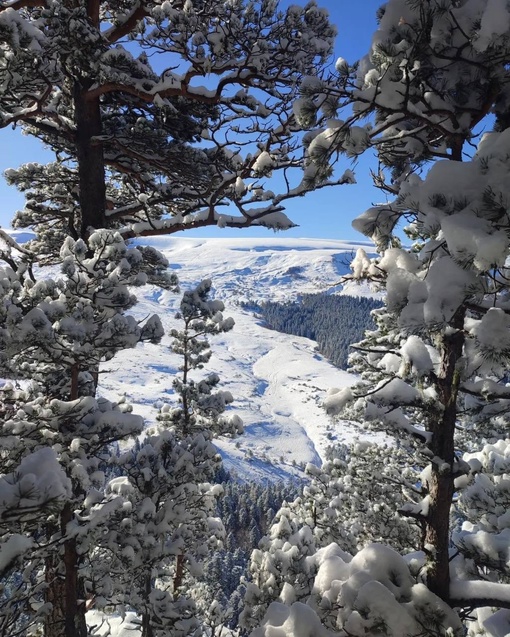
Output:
x=147 y=630
x=65 y=588
x=90 y=159
x=441 y=487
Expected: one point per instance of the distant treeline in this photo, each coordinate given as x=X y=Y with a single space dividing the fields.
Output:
x=334 y=321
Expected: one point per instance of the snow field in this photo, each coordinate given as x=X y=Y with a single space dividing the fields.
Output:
x=278 y=380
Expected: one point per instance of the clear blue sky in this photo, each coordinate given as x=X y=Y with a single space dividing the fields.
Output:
x=324 y=214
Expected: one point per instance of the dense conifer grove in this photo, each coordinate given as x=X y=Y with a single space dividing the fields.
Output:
x=247 y=511
x=335 y=322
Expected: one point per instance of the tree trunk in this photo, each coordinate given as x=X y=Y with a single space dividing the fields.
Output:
x=65 y=590
x=147 y=630
x=89 y=155
x=179 y=574
x=441 y=488
x=437 y=532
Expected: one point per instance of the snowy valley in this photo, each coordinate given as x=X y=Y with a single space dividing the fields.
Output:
x=278 y=381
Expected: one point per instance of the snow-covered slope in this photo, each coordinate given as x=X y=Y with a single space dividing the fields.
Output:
x=278 y=381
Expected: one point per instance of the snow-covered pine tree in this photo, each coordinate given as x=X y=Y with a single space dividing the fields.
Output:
x=160 y=114
x=149 y=554
x=482 y=529
x=372 y=594
x=377 y=592
x=354 y=497
x=438 y=358
x=163 y=525
x=247 y=511
x=280 y=568
x=143 y=142
x=199 y=413
x=483 y=507
x=55 y=433
x=351 y=501
x=32 y=488
x=200 y=407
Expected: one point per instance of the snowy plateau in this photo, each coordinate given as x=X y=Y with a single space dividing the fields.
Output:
x=278 y=381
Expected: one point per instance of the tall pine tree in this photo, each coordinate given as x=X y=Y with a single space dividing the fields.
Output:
x=162 y=116
x=438 y=359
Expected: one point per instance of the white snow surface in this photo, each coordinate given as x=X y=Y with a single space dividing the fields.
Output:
x=278 y=381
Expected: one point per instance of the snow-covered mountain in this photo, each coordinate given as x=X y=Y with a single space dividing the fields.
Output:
x=278 y=380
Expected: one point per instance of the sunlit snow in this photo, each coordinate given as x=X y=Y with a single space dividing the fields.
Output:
x=278 y=381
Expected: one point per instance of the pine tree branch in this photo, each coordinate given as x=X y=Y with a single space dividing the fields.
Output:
x=210 y=220
x=371 y=350
x=479 y=594
x=212 y=96
x=480 y=309
x=484 y=392
x=149 y=96
x=116 y=33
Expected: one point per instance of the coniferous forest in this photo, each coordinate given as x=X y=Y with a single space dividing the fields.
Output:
x=335 y=322
x=163 y=116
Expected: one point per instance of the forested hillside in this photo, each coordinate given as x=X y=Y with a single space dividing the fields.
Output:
x=247 y=511
x=334 y=321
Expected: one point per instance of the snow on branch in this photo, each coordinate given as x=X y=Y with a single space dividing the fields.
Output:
x=478 y=594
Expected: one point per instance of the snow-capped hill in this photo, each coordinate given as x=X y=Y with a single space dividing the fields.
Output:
x=278 y=381
x=20 y=236
x=268 y=268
